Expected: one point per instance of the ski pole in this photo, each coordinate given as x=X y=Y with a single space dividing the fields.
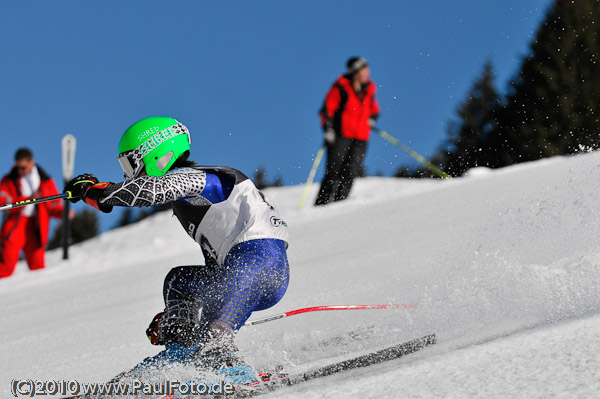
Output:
x=33 y=201
x=311 y=176
x=322 y=308
x=412 y=153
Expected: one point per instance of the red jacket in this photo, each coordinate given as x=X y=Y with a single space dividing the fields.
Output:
x=10 y=192
x=347 y=112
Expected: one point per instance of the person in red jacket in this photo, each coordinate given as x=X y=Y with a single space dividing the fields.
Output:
x=26 y=228
x=347 y=116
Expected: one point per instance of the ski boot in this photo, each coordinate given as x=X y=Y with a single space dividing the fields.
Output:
x=227 y=363
x=219 y=354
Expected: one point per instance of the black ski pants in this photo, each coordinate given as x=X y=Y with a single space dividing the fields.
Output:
x=344 y=161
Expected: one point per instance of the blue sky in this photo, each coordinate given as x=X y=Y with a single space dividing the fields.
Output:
x=246 y=77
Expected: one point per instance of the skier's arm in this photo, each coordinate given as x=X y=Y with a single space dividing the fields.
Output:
x=150 y=190
x=375 y=110
x=330 y=106
x=55 y=208
x=5 y=197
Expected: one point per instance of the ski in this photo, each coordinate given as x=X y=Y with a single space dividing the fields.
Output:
x=369 y=359
x=277 y=379
x=380 y=356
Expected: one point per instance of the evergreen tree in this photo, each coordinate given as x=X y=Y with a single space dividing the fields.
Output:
x=553 y=104
x=278 y=182
x=468 y=137
x=126 y=217
x=84 y=225
x=259 y=179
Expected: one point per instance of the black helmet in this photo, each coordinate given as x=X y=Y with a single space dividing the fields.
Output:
x=355 y=64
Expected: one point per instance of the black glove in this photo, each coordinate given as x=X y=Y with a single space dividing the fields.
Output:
x=79 y=186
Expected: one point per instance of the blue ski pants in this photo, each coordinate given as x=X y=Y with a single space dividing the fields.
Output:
x=254 y=276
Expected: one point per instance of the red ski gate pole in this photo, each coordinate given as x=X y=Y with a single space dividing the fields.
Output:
x=322 y=308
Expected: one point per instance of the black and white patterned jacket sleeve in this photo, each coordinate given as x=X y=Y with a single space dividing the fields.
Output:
x=152 y=190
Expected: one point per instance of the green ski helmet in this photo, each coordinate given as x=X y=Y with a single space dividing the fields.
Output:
x=153 y=143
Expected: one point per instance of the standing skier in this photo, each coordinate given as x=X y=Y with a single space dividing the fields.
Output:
x=347 y=116
x=26 y=228
x=242 y=237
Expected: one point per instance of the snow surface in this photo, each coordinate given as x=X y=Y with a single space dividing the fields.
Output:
x=504 y=266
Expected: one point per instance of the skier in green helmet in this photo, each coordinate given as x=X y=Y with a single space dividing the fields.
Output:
x=241 y=234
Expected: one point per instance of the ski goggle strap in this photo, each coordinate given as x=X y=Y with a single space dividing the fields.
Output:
x=132 y=161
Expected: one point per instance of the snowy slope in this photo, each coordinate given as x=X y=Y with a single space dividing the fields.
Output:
x=503 y=265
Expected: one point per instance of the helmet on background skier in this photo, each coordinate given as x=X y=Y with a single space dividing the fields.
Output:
x=355 y=64
x=153 y=144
